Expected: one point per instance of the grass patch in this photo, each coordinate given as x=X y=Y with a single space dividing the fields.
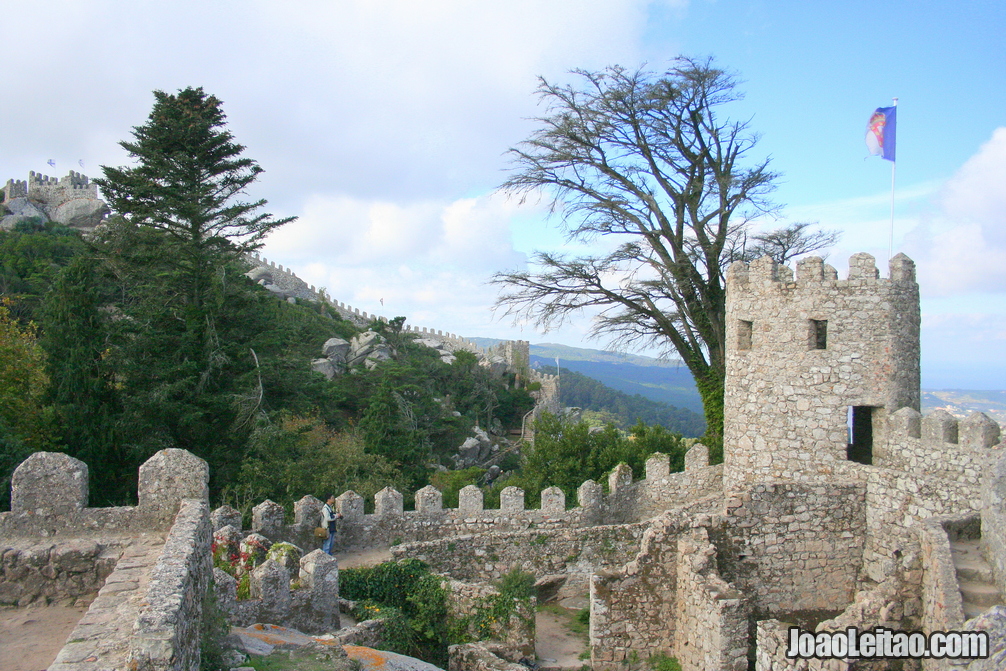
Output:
x=284 y=661
x=577 y=621
x=661 y=662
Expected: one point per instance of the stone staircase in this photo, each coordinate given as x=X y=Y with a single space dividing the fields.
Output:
x=974 y=576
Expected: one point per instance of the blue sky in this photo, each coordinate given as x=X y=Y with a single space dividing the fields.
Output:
x=383 y=124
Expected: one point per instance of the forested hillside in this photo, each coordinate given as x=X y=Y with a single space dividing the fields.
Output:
x=148 y=334
x=96 y=364
x=576 y=389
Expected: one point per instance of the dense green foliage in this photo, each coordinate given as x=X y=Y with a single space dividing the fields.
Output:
x=128 y=379
x=580 y=391
x=410 y=599
x=413 y=604
x=565 y=454
x=25 y=422
x=148 y=335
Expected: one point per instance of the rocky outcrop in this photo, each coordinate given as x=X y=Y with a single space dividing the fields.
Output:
x=72 y=201
x=475 y=450
x=367 y=349
x=85 y=213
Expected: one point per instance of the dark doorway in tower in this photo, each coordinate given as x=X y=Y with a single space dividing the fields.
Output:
x=860 y=448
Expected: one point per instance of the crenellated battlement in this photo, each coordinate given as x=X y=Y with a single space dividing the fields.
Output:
x=51 y=192
x=49 y=493
x=625 y=500
x=765 y=274
x=804 y=355
x=292 y=286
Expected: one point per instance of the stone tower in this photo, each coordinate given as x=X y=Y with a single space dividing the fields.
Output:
x=815 y=366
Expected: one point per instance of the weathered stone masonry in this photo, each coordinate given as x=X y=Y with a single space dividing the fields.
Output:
x=149 y=607
x=804 y=514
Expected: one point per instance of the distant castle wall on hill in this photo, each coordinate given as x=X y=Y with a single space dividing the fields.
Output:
x=51 y=191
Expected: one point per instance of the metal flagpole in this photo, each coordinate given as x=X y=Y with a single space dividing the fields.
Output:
x=894 y=165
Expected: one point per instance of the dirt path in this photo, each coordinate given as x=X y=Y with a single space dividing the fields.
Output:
x=555 y=644
x=358 y=558
x=30 y=638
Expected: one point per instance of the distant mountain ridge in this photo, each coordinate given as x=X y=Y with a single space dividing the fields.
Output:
x=656 y=379
x=670 y=381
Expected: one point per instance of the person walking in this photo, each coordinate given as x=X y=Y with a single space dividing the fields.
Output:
x=328 y=520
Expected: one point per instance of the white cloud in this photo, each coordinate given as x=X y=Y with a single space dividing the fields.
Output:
x=962 y=246
x=388 y=99
x=423 y=259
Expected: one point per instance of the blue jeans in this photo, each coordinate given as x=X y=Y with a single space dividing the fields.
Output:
x=326 y=547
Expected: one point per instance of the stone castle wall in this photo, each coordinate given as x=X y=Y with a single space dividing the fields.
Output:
x=49 y=493
x=390 y=523
x=51 y=192
x=633 y=608
x=801 y=353
x=930 y=466
x=46 y=571
x=711 y=615
x=168 y=632
x=573 y=552
x=148 y=610
x=993 y=522
x=793 y=546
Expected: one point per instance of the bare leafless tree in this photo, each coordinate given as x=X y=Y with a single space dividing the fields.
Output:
x=789 y=242
x=643 y=157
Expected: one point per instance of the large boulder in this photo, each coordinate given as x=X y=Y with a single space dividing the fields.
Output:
x=80 y=213
x=336 y=350
x=468 y=453
x=325 y=367
x=369 y=349
x=25 y=208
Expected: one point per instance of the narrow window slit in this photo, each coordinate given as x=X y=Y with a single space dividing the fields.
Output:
x=819 y=334
x=744 y=329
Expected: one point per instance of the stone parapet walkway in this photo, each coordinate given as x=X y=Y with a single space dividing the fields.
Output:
x=100 y=641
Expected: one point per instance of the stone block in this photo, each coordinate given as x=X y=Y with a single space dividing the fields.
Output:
x=553 y=501
x=810 y=269
x=254 y=546
x=763 y=270
x=658 y=465
x=979 y=431
x=268 y=519
x=286 y=555
x=470 y=499
x=512 y=500
x=319 y=575
x=902 y=269
x=620 y=478
x=429 y=500
x=225 y=516
x=863 y=266
x=168 y=477
x=906 y=422
x=270 y=582
x=225 y=586
x=350 y=506
x=389 y=503
x=696 y=457
x=49 y=483
x=589 y=495
x=228 y=536
x=939 y=426
x=307 y=512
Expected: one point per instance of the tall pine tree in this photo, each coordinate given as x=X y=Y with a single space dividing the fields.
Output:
x=181 y=345
x=188 y=174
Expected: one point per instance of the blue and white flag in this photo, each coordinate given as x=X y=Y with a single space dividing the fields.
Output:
x=881 y=132
x=51 y=163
